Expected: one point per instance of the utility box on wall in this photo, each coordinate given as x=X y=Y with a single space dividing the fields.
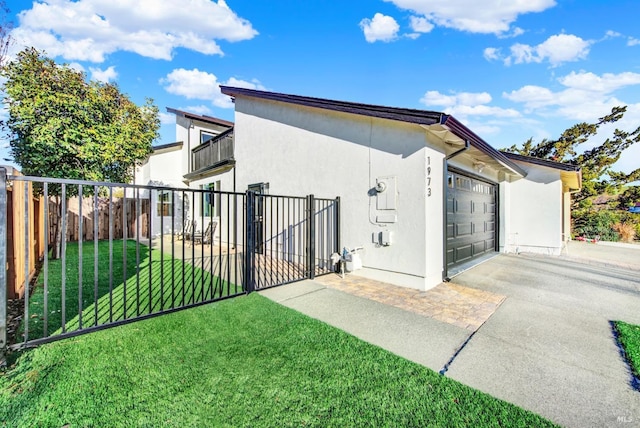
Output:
x=386 y=189
x=383 y=238
x=386 y=200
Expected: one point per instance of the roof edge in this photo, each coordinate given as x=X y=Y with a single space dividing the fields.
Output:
x=167 y=146
x=543 y=162
x=202 y=118
x=458 y=128
x=423 y=117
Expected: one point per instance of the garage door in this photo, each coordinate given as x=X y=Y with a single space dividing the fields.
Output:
x=471 y=218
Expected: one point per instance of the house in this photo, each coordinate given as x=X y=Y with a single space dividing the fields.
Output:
x=420 y=193
x=203 y=149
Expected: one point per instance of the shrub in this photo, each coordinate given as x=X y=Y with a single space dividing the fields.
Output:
x=626 y=231
x=596 y=224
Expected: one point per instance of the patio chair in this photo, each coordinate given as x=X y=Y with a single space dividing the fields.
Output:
x=187 y=230
x=206 y=237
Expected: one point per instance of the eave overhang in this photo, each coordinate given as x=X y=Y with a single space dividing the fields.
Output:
x=210 y=171
x=570 y=175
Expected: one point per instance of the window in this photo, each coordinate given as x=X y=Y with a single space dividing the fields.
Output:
x=463 y=183
x=205 y=137
x=210 y=201
x=165 y=203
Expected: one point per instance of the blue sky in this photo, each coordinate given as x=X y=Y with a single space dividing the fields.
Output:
x=508 y=69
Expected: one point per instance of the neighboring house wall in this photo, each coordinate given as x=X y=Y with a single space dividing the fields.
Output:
x=161 y=170
x=168 y=165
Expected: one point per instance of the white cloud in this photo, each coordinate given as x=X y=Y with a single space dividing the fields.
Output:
x=420 y=24
x=201 y=109
x=586 y=96
x=200 y=85
x=167 y=118
x=381 y=28
x=610 y=34
x=606 y=83
x=563 y=48
x=557 y=49
x=489 y=16
x=253 y=84
x=515 y=32
x=633 y=41
x=464 y=104
x=89 y=30
x=491 y=54
x=77 y=67
x=105 y=75
x=435 y=98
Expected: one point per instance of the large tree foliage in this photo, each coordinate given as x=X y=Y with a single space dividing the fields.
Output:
x=597 y=173
x=60 y=125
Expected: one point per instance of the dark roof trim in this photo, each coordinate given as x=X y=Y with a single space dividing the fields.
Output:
x=167 y=146
x=462 y=131
x=206 y=119
x=421 y=117
x=543 y=162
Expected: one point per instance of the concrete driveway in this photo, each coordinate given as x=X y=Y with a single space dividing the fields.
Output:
x=549 y=347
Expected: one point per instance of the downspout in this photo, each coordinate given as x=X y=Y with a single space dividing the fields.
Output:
x=445 y=170
x=189 y=155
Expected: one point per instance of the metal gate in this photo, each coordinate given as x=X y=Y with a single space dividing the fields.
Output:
x=83 y=256
x=292 y=238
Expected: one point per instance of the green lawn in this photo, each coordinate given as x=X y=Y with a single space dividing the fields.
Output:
x=146 y=291
x=629 y=337
x=240 y=362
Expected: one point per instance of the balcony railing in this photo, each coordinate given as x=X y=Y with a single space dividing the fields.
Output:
x=213 y=152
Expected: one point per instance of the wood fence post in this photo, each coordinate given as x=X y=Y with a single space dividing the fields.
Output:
x=3 y=264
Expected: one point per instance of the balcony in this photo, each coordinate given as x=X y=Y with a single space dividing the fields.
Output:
x=213 y=157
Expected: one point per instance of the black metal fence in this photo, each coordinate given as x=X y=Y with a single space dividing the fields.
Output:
x=198 y=246
x=292 y=237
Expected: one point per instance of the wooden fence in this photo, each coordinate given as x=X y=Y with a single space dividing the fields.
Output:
x=16 y=229
x=135 y=222
x=118 y=208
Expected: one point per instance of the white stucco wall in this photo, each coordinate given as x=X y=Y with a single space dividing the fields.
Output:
x=532 y=215
x=299 y=152
x=162 y=169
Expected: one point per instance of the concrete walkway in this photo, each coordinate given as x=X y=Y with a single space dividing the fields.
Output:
x=548 y=347
x=603 y=253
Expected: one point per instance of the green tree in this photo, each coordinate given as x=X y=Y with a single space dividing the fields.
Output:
x=61 y=125
x=629 y=197
x=596 y=163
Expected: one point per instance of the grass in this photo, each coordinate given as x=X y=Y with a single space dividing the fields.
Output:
x=629 y=338
x=240 y=362
x=110 y=300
